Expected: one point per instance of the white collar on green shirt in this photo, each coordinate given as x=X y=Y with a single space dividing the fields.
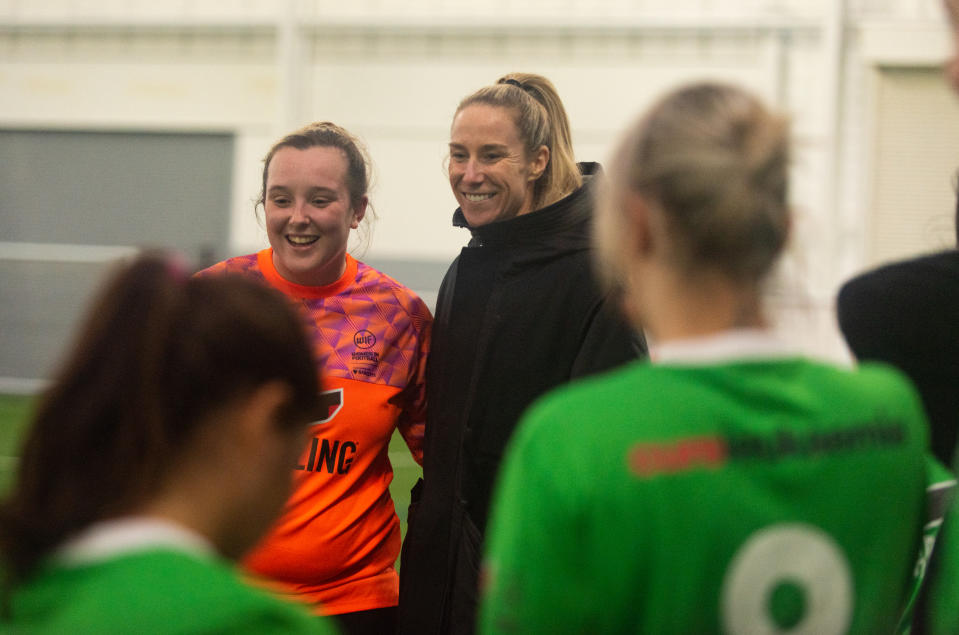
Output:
x=110 y=538
x=736 y=344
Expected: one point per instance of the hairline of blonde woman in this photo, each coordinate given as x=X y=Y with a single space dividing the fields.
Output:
x=541 y=120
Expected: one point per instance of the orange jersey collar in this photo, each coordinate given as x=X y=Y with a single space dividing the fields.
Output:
x=265 y=260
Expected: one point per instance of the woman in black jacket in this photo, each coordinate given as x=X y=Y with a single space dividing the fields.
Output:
x=518 y=313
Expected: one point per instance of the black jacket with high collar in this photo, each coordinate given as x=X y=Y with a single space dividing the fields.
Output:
x=559 y=228
x=519 y=313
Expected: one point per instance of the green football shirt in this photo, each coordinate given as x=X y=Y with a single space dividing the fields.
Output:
x=122 y=584
x=763 y=494
x=944 y=594
x=940 y=491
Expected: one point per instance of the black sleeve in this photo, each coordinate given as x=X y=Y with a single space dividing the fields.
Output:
x=907 y=314
x=609 y=341
x=870 y=323
x=904 y=313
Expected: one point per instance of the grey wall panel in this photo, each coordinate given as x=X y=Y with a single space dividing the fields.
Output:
x=116 y=188
x=41 y=305
x=141 y=189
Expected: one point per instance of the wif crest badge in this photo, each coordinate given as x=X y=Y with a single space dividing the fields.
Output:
x=364 y=359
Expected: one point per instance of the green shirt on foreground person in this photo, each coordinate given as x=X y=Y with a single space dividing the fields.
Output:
x=712 y=493
x=150 y=586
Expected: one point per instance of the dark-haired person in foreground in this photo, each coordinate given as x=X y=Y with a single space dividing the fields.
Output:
x=159 y=455
x=732 y=485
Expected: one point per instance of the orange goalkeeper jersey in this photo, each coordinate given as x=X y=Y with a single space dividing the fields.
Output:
x=338 y=538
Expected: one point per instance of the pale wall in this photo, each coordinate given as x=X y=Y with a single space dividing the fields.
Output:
x=393 y=72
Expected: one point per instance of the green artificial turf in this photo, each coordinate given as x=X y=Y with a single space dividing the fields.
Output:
x=14 y=415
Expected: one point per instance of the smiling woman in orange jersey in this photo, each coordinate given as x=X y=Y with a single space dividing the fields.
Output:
x=337 y=542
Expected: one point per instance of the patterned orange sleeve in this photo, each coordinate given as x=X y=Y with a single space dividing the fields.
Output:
x=412 y=400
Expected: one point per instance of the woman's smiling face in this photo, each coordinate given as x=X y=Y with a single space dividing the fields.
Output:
x=309 y=213
x=490 y=173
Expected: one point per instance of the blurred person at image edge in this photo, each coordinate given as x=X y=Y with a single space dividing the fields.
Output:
x=907 y=314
